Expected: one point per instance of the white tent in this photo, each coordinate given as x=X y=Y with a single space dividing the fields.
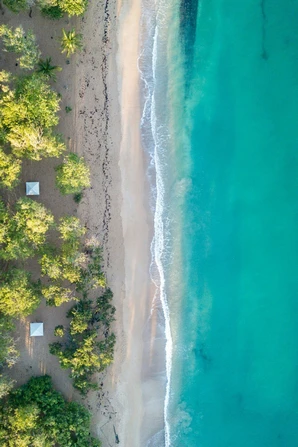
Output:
x=36 y=329
x=32 y=188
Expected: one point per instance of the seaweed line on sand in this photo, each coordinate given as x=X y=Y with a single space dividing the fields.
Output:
x=106 y=138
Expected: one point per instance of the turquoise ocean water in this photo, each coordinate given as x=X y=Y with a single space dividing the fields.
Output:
x=220 y=125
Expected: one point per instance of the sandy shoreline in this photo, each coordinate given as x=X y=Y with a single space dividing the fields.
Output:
x=101 y=84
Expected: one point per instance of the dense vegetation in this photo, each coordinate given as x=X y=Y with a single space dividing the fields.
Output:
x=72 y=266
x=35 y=415
x=81 y=350
x=54 y=9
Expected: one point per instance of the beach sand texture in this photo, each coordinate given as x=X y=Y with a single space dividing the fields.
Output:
x=101 y=84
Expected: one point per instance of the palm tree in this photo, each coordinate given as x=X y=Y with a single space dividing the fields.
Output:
x=71 y=42
x=45 y=67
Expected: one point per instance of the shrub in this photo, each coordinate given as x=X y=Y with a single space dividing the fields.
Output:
x=59 y=331
x=72 y=175
x=16 y=5
x=53 y=12
x=47 y=69
x=77 y=197
x=84 y=352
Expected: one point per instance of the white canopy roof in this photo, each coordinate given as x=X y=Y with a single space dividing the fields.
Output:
x=32 y=188
x=36 y=329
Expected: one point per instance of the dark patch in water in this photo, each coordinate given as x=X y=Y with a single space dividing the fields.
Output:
x=201 y=354
x=188 y=26
x=264 y=20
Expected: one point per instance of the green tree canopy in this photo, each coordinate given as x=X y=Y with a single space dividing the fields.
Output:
x=73 y=7
x=24 y=232
x=16 y=40
x=35 y=415
x=71 y=229
x=30 y=101
x=19 y=295
x=28 y=112
x=72 y=175
x=10 y=169
x=34 y=143
x=56 y=295
x=61 y=267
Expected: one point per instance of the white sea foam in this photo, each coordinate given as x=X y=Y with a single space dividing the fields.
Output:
x=159 y=244
x=154 y=136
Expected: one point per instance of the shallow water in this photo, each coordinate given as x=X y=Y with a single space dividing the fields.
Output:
x=224 y=95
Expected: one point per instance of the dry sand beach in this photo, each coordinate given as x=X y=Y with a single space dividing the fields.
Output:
x=101 y=84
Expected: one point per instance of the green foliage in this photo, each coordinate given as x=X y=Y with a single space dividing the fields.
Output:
x=34 y=143
x=61 y=266
x=92 y=275
x=10 y=169
x=72 y=175
x=53 y=9
x=16 y=5
x=84 y=269
x=4 y=219
x=35 y=415
x=15 y=40
x=71 y=41
x=81 y=315
x=53 y=12
x=71 y=230
x=19 y=295
x=104 y=311
x=6 y=385
x=47 y=69
x=32 y=101
x=71 y=271
x=28 y=112
x=56 y=295
x=73 y=7
x=68 y=109
x=59 y=331
x=77 y=197
x=23 y=232
x=89 y=346
x=8 y=352
x=51 y=265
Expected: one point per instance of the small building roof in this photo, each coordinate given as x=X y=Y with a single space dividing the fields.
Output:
x=32 y=188
x=36 y=329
